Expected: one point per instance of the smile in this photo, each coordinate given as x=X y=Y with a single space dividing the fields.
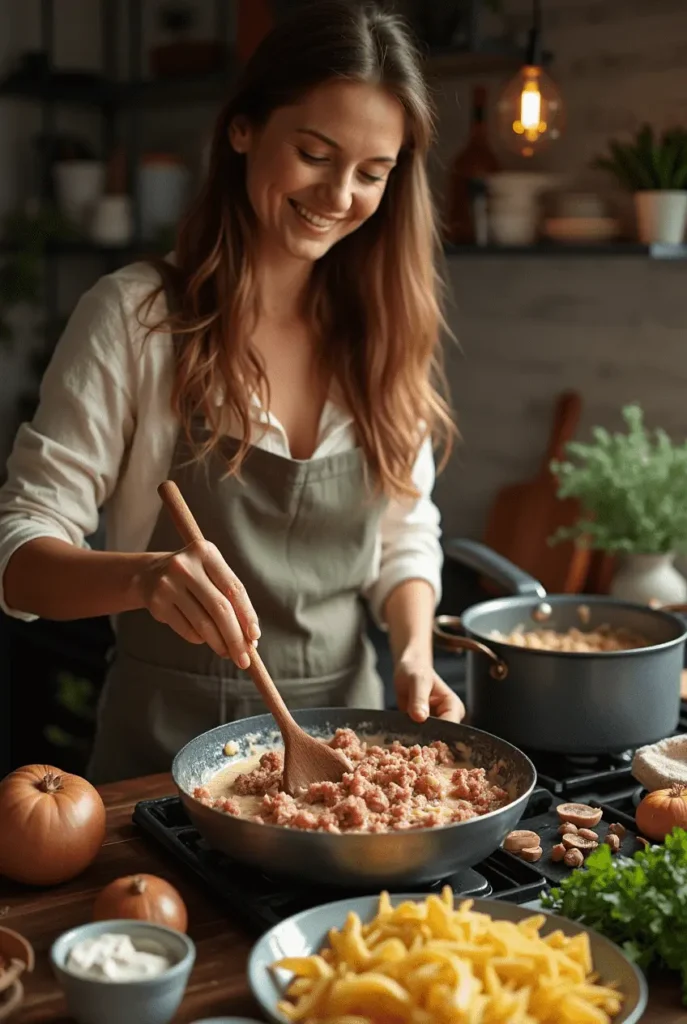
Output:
x=314 y=219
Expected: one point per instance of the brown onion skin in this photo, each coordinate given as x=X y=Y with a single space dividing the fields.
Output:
x=661 y=811
x=142 y=898
x=53 y=825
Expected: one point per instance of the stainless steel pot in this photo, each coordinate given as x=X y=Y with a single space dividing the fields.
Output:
x=354 y=860
x=567 y=702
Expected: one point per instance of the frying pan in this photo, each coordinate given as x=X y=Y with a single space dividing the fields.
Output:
x=354 y=860
x=559 y=701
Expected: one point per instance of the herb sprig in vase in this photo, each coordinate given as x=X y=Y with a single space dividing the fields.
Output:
x=632 y=488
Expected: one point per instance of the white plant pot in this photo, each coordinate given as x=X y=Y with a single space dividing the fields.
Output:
x=661 y=217
x=649 y=579
x=79 y=185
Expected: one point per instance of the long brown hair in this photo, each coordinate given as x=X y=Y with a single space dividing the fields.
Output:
x=373 y=298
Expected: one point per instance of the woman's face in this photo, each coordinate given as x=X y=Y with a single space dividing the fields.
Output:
x=317 y=170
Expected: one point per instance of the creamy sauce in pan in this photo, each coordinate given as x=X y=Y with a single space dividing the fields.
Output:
x=391 y=787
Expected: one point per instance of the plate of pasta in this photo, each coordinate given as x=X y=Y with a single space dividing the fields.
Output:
x=438 y=959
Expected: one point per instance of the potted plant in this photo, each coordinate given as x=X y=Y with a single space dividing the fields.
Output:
x=27 y=237
x=632 y=488
x=655 y=171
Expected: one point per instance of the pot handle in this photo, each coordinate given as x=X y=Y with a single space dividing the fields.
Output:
x=487 y=562
x=678 y=609
x=453 y=642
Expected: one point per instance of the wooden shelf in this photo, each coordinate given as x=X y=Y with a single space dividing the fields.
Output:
x=84 y=247
x=97 y=92
x=589 y=250
x=88 y=90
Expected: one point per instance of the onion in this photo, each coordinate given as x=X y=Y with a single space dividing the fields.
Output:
x=661 y=811
x=53 y=825
x=143 y=898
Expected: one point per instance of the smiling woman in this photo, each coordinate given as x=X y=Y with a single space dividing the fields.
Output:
x=332 y=185
x=282 y=366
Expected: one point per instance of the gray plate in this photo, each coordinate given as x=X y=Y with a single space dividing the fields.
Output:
x=306 y=933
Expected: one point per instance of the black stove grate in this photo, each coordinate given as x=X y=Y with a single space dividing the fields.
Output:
x=261 y=901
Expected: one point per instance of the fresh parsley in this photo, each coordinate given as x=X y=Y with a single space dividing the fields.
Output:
x=638 y=902
x=632 y=489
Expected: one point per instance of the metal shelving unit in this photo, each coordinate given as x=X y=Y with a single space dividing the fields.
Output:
x=37 y=655
x=119 y=99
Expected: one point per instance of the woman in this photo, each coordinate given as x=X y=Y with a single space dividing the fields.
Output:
x=279 y=368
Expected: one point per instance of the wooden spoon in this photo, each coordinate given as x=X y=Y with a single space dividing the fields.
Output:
x=306 y=760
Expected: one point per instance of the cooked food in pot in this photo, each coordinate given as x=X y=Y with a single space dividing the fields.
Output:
x=391 y=788
x=600 y=640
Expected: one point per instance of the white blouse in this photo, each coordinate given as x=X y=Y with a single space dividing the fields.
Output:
x=104 y=433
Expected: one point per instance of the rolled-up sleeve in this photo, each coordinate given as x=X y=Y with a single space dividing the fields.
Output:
x=66 y=462
x=410 y=535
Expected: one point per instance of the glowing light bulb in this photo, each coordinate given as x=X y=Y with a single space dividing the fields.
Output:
x=530 y=111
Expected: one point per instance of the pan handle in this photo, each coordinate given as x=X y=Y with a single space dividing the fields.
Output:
x=487 y=562
x=454 y=642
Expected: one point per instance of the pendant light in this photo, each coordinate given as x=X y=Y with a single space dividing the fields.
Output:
x=530 y=108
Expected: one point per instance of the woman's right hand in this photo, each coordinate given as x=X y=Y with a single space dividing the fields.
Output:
x=196 y=593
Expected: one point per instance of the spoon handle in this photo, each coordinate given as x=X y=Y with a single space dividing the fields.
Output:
x=190 y=533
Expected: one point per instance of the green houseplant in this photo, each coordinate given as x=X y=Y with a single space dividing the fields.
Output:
x=632 y=488
x=27 y=237
x=654 y=169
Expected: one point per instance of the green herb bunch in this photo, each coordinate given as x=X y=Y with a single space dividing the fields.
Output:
x=638 y=902
x=649 y=163
x=632 y=489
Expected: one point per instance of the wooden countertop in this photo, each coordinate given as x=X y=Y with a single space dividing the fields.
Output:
x=218 y=984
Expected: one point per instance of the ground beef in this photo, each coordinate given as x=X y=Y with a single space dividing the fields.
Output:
x=391 y=788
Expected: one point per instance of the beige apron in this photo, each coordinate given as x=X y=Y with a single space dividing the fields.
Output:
x=301 y=538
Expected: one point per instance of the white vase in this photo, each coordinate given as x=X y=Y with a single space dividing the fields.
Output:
x=661 y=217
x=649 y=579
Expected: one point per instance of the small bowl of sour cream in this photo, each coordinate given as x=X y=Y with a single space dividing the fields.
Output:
x=123 y=971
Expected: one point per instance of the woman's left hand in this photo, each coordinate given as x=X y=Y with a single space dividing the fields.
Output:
x=421 y=692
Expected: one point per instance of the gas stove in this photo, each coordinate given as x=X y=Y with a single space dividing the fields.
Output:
x=261 y=901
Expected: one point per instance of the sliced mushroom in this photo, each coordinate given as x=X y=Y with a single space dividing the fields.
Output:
x=588 y=833
x=578 y=842
x=531 y=853
x=581 y=815
x=574 y=858
x=520 y=839
x=613 y=841
x=616 y=829
x=567 y=828
x=558 y=853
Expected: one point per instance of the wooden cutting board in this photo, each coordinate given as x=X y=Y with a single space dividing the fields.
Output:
x=524 y=515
